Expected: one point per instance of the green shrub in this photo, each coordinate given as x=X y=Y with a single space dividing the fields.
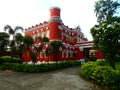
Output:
x=7 y=59
x=32 y=68
x=117 y=58
x=87 y=69
x=102 y=63
x=101 y=73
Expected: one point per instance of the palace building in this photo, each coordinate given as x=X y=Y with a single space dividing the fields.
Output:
x=74 y=42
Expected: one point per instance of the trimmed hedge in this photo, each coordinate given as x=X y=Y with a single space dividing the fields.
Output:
x=101 y=73
x=7 y=59
x=32 y=68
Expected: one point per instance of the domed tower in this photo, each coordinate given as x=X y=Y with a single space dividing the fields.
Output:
x=54 y=23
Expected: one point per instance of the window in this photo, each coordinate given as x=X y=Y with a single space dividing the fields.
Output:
x=77 y=39
x=48 y=33
x=41 y=54
x=62 y=35
x=46 y=28
x=72 y=39
x=67 y=53
x=71 y=53
x=42 y=34
x=33 y=37
x=62 y=54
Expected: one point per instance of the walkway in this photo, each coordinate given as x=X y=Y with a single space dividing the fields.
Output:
x=65 y=79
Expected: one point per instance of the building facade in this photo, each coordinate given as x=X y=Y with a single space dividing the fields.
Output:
x=55 y=30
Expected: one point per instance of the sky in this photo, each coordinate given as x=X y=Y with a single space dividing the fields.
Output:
x=27 y=13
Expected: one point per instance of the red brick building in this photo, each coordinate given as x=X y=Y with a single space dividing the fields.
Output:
x=55 y=29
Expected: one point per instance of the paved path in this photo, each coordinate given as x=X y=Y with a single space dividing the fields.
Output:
x=65 y=79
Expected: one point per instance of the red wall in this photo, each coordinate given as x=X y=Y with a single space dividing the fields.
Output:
x=54 y=31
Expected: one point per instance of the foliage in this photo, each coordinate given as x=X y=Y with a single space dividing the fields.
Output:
x=28 y=40
x=102 y=63
x=11 y=31
x=44 y=67
x=4 y=41
x=102 y=73
x=118 y=66
x=117 y=58
x=106 y=34
x=33 y=55
x=45 y=39
x=105 y=9
x=38 y=38
x=92 y=57
x=7 y=59
x=19 y=39
x=55 y=46
x=87 y=69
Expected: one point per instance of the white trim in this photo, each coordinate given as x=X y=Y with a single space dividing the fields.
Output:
x=29 y=62
x=86 y=46
x=55 y=19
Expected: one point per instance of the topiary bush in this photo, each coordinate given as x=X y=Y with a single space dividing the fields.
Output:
x=101 y=73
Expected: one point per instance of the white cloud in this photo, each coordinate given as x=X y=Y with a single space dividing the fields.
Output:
x=30 y=12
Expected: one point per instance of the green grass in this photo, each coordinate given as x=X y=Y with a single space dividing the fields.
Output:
x=117 y=64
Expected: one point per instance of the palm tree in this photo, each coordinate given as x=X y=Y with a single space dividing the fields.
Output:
x=19 y=38
x=12 y=31
x=28 y=41
x=34 y=55
x=43 y=41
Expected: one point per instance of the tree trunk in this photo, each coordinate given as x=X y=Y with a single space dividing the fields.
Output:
x=112 y=62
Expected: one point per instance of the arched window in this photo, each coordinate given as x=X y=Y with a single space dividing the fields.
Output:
x=62 y=54
x=42 y=34
x=41 y=54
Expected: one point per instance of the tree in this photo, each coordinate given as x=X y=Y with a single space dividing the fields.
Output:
x=12 y=31
x=28 y=41
x=4 y=41
x=105 y=9
x=28 y=44
x=45 y=39
x=56 y=45
x=106 y=34
x=19 y=38
x=34 y=55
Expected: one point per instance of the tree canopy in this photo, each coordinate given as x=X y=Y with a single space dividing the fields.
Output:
x=106 y=33
x=4 y=41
